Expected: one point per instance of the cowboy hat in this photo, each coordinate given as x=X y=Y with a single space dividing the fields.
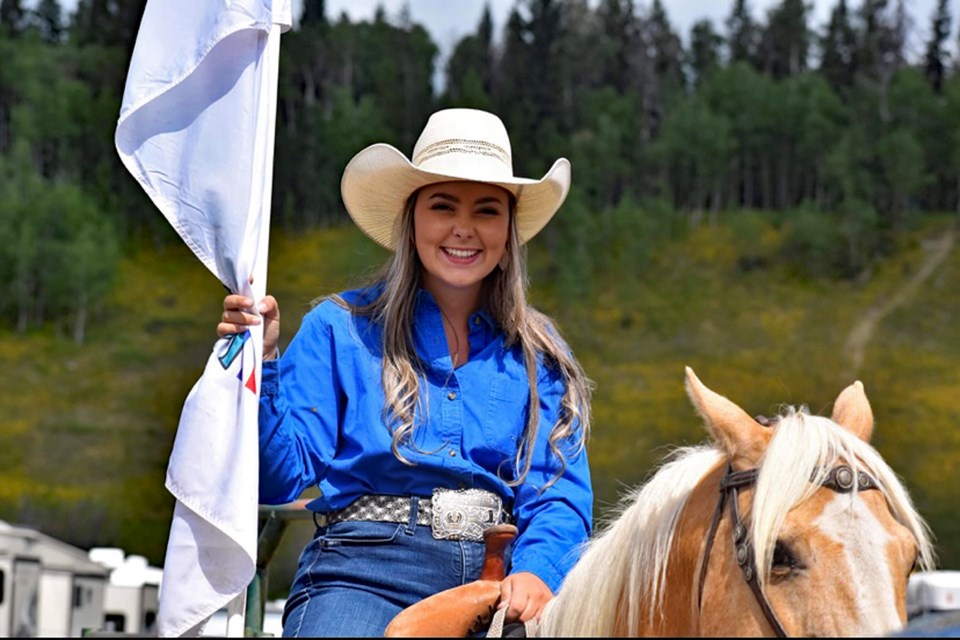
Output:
x=456 y=144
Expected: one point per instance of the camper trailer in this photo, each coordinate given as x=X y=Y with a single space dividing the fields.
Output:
x=47 y=587
x=132 y=596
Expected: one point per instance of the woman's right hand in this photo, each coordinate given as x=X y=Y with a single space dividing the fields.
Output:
x=238 y=316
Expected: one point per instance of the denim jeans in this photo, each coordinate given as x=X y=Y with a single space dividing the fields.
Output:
x=354 y=577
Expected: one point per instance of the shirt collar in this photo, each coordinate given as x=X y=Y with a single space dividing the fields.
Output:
x=428 y=332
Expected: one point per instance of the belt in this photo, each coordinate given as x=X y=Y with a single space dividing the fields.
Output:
x=452 y=515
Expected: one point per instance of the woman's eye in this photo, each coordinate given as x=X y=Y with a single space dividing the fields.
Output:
x=441 y=206
x=490 y=211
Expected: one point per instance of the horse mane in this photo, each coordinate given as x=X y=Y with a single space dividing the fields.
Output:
x=623 y=568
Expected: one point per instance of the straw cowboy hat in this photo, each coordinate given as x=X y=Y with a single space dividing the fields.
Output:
x=456 y=144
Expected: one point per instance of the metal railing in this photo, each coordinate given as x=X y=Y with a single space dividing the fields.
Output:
x=276 y=519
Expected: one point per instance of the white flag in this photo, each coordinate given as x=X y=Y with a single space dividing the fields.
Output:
x=196 y=130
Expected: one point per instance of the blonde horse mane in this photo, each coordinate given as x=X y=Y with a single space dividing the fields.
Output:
x=622 y=571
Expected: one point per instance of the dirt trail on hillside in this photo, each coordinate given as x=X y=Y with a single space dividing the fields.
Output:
x=936 y=251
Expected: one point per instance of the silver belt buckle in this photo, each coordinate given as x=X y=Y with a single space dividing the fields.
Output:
x=464 y=514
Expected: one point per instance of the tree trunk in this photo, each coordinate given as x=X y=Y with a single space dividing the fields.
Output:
x=958 y=195
x=765 y=195
x=80 y=319
x=783 y=187
x=746 y=201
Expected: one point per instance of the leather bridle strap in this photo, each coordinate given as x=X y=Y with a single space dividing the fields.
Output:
x=730 y=484
x=730 y=481
x=746 y=561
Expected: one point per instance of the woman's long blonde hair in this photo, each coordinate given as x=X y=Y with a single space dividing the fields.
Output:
x=504 y=297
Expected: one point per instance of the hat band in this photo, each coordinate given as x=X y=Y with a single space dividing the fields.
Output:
x=463 y=146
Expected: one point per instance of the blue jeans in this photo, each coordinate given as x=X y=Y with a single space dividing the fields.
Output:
x=354 y=577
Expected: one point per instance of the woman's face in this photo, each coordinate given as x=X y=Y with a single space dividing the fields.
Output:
x=461 y=231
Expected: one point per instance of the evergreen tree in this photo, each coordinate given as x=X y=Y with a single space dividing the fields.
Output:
x=934 y=65
x=618 y=34
x=528 y=77
x=49 y=19
x=11 y=17
x=705 y=46
x=880 y=47
x=785 y=41
x=470 y=68
x=742 y=34
x=107 y=22
x=838 y=48
x=667 y=47
x=314 y=13
x=900 y=30
x=664 y=62
x=485 y=39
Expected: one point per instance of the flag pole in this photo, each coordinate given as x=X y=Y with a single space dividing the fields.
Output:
x=236 y=608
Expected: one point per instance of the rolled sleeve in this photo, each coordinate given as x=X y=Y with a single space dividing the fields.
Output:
x=555 y=522
x=299 y=408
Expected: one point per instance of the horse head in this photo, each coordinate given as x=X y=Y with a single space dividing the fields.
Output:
x=796 y=528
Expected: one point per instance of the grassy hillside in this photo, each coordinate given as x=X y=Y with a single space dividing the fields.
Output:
x=86 y=430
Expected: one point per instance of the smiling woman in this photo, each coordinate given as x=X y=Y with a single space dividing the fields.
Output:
x=434 y=403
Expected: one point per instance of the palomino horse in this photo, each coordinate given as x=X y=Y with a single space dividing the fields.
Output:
x=799 y=528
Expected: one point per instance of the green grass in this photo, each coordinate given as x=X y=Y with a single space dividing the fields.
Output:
x=86 y=431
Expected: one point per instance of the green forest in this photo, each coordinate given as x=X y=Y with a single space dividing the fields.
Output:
x=768 y=200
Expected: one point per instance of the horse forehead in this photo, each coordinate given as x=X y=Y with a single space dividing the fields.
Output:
x=866 y=542
x=847 y=517
x=844 y=516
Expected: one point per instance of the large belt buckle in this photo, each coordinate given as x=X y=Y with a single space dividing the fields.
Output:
x=464 y=514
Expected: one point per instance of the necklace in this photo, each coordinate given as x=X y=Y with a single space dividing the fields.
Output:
x=455 y=357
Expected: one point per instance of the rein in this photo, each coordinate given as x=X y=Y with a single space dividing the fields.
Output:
x=840 y=479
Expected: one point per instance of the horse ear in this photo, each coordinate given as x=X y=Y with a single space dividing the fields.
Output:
x=743 y=438
x=852 y=411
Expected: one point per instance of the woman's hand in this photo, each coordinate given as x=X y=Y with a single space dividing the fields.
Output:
x=238 y=316
x=524 y=595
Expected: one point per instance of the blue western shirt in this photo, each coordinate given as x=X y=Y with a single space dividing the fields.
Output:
x=322 y=424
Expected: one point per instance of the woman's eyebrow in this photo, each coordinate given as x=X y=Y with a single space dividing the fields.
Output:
x=445 y=196
x=489 y=199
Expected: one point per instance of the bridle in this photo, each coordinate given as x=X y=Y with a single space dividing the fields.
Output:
x=841 y=479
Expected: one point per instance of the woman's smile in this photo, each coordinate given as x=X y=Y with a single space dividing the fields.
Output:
x=461 y=256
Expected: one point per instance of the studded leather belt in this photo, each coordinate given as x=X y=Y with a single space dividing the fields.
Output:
x=451 y=514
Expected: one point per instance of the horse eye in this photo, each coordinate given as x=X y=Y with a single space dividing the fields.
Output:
x=784 y=560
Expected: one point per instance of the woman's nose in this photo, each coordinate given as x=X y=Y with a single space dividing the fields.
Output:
x=462 y=229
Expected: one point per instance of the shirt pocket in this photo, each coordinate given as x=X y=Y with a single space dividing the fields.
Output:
x=507 y=410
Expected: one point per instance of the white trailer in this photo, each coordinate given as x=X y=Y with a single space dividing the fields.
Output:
x=49 y=588
x=132 y=596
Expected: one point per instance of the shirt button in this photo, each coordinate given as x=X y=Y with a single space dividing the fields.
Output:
x=451 y=396
x=453 y=454
x=476 y=320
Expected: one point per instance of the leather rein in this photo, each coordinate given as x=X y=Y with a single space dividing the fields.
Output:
x=841 y=479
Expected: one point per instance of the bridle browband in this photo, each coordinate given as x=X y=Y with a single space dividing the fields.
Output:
x=841 y=479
